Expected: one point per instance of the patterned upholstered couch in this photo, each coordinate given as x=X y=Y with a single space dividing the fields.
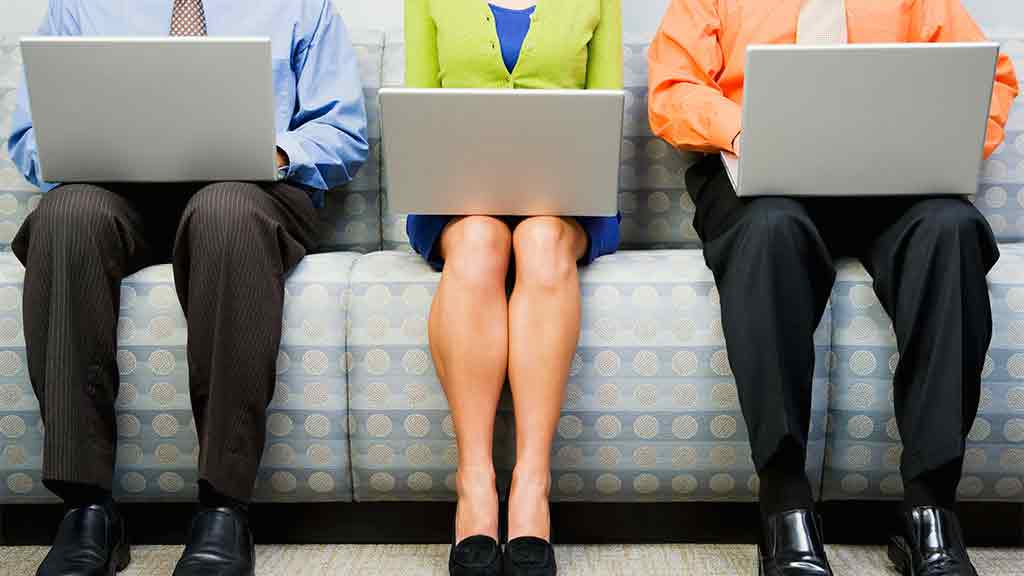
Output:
x=651 y=412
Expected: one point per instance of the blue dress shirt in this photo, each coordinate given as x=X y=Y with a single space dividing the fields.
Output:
x=320 y=114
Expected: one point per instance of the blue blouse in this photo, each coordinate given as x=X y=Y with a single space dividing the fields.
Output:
x=512 y=26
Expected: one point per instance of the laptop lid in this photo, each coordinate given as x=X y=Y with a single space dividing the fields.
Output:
x=865 y=119
x=502 y=152
x=152 y=109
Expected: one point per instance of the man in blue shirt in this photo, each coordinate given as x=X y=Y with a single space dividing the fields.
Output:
x=231 y=245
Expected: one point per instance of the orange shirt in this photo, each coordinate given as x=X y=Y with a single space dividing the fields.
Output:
x=697 y=58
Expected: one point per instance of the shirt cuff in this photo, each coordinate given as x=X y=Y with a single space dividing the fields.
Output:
x=297 y=157
x=728 y=123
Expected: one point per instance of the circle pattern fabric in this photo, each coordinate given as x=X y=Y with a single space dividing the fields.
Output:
x=650 y=418
x=863 y=449
x=651 y=413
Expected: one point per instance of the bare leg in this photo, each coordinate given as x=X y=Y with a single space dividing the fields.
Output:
x=544 y=328
x=469 y=343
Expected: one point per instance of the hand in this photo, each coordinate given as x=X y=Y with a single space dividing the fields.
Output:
x=737 y=143
x=282 y=158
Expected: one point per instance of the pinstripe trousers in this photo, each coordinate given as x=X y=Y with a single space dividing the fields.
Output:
x=231 y=245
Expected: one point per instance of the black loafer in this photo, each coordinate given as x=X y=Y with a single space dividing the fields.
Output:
x=91 y=541
x=530 y=556
x=475 y=556
x=220 y=544
x=930 y=543
x=792 y=545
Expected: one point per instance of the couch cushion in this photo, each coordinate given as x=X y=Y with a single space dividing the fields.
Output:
x=863 y=453
x=657 y=212
x=393 y=75
x=350 y=219
x=1001 y=191
x=351 y=216
x=17 y=197
x=306 y=456
x=651 y=411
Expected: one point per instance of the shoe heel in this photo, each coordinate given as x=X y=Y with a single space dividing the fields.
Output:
x=122 y=558
x=898 y=557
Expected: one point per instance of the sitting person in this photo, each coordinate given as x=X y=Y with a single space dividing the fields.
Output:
x=231 y=245
x=773 y=259
x=478 y=335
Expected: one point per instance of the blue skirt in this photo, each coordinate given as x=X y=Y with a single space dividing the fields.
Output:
x=425 y=236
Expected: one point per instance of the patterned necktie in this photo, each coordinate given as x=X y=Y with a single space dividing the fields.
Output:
x=822 y=22
x=188 y=18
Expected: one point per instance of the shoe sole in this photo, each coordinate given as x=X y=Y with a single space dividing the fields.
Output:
x=899 y=555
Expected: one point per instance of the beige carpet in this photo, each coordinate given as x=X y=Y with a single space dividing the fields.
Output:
x=572 y=560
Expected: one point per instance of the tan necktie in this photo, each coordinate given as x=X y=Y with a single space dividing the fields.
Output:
x=822 y=22
x=188 y=18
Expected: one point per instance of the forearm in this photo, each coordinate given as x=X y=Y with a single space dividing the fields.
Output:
x=323 y=156
x=695 y=117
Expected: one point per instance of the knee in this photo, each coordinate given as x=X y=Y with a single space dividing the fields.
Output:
x=778 y=226
x=478 y=253
x=79 y=221
x=950 y=222
x=79 y=210
x=545 y=252
x=222 y=213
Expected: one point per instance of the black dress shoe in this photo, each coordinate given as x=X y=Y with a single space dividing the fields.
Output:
x=530 y=556
x=930 y=543
x=91 y=541
x=475 y=556
x=220 y=544
x=792 y=545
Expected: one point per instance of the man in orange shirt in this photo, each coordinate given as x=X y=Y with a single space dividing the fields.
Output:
x=773 y=260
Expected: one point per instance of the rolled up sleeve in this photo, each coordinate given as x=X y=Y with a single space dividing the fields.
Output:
x=59 y=21
x=687 y=107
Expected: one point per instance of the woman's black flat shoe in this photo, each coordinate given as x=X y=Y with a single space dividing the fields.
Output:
x=475 y=556
x=530 y=556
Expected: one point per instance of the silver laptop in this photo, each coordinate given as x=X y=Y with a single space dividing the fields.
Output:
x=864 y=120
x=152 y=109
x=502 y=152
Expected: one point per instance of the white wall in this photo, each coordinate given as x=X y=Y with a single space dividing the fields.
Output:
x=19 y=17
x=999 y=17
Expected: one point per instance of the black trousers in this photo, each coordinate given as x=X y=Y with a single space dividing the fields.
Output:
x=773 y=262
x=231 y=245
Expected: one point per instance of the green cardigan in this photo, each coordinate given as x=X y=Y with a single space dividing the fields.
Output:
x=572 y=44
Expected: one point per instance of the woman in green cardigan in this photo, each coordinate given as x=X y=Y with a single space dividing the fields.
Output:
x=478 y=335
